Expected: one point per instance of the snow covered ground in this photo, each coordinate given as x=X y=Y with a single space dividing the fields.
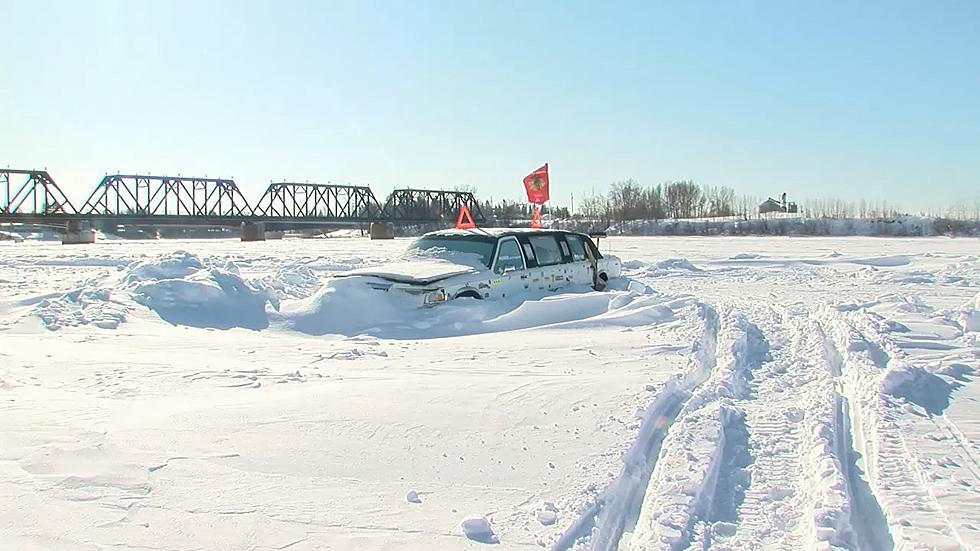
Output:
x=728 y=393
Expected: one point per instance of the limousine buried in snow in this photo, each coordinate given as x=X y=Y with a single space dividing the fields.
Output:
x=492 y=263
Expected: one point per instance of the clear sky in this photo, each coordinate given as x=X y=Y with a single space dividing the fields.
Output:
x=868 y=99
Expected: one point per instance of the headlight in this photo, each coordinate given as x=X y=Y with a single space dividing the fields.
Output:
x=435 y=297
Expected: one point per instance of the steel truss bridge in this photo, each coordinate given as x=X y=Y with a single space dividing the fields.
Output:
x=33 y=197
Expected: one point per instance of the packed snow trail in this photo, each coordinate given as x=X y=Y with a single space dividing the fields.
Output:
x=617 y=507
x=771 y=416
x=785 y=442
x=915 y=516
x=682 y=488
x=799 y=491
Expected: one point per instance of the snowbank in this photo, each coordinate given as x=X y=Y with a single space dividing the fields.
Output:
x=347 y=306
x=182 y=290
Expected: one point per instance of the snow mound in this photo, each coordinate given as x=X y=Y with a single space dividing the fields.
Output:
x=293 y=281
x=677 y=264
x=914 y=277
x=883 y=261
x=170 y=266
x=346 y=306
x=633 y=264
x=81 y=307
x=547 y=514
x=745 y=256
x=478 y=528
x=208 y=298
x=551 y=310
x=970 y=315
x=338 y=265
x=918 y=386
x=183 y=290
x=672 y=266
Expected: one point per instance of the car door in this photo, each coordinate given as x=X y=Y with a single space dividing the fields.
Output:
x=509 y=269
x=581 y=268
x=550 y=273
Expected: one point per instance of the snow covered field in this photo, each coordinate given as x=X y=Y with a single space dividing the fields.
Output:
x=731 y=393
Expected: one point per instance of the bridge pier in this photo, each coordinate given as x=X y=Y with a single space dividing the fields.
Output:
x=381 y=230
x=253 y=231
x=78 y=232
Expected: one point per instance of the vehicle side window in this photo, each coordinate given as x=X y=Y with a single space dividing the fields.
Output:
x=564 y=249
x=546 y=249
x=593 y=248
x=529 y=252
x=508 y=257
x=575 y=244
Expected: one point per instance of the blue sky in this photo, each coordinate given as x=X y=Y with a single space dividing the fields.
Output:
x=871 y=99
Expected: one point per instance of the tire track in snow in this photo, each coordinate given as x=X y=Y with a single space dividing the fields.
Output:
x=839 y=510
x=868 y=525
x=914 y=517
x=814 y=431
x=807 y=489
x=769 y=515
x=602 y=524
x=774 y=389
x=962 y=442
x=682 y=491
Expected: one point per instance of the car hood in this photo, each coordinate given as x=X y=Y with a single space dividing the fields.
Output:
x=417 y=272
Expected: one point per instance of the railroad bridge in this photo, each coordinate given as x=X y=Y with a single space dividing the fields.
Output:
x=33 y=197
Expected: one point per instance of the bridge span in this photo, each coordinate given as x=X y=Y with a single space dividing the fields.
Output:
x=33 y=197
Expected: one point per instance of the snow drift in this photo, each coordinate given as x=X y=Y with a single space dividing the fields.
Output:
x=970 y=314
x=184 y=290
x=346 y=306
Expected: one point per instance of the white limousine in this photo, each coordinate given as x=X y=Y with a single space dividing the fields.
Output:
x=492 y=263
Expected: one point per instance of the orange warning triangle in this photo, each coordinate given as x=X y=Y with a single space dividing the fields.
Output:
x=465 y=220
x=536 y=218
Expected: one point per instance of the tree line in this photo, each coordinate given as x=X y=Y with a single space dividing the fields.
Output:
x=628 y=200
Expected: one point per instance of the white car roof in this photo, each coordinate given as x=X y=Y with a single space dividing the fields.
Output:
x=492 y=232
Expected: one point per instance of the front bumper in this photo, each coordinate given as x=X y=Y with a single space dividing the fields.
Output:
x=424 y=295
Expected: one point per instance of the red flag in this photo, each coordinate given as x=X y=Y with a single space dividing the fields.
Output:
x=536 y=184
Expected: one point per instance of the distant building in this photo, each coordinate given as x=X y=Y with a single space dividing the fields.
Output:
x=774 y=205
x=770 y=205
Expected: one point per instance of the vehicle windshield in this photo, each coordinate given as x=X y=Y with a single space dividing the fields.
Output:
x=460 y=250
